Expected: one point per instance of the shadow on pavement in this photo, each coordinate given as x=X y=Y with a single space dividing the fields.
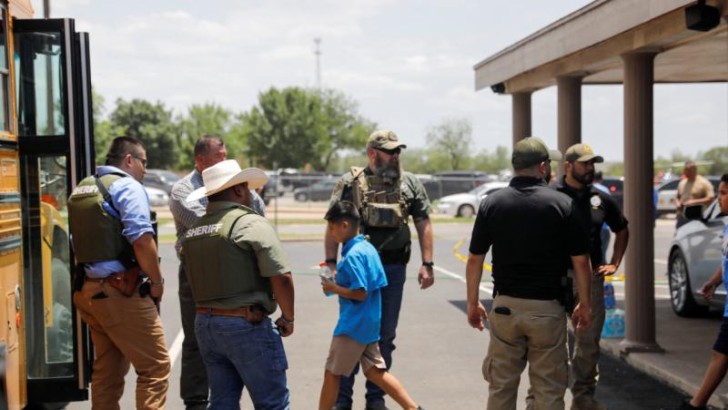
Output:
x=621 y=386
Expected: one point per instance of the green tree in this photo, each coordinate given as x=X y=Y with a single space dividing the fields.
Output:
x=104 y=130
x=153 y=125
x=453 y=138
x=718 y=156
x=345 y=128
x=295 y=127
x=205 y=119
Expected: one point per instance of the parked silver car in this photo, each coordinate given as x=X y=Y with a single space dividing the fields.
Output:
x=467 y=203
x=694 y=256
x=157 y=197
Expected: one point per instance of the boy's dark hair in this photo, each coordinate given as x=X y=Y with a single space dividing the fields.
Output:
x=120 y=147
x=342 y=210
x=724 y=178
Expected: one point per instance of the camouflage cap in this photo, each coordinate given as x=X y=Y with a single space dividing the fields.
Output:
x=384 y=139
x=532 y=151
x=582 y=153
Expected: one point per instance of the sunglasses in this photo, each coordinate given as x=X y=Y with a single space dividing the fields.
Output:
x=142 y=160
x=396 y=151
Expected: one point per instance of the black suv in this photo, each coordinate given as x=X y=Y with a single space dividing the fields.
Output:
x=616 y=188
x=454 y=182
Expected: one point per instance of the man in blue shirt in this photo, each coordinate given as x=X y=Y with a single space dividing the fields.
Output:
x=113 y=237
x=719 y=360
x=359 y=279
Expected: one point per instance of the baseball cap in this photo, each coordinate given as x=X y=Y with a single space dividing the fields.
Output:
x=531 y=151
x=384 y=139
x=581 y=153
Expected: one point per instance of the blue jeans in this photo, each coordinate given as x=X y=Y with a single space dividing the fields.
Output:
x=391 y=303
x=240 y=354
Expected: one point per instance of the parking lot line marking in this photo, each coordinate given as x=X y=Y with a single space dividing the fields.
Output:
x=454 y=275
x=464 y=258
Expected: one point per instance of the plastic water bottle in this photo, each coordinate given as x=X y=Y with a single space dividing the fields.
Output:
x=326 y=275
x=609 y=300
x=613 y=324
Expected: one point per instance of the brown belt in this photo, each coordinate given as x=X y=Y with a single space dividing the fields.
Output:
x=97 y=280
x=243 y=312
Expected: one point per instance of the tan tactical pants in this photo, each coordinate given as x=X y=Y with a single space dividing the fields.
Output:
x=584 y=370
x=123 y=330
x=534 y=333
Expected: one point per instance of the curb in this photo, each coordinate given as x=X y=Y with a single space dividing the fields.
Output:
x=639 y=361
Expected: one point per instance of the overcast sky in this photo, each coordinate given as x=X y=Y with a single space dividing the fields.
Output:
x=409 y=64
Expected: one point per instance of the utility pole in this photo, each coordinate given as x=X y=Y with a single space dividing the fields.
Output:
x=47 y=9
x=317 y=52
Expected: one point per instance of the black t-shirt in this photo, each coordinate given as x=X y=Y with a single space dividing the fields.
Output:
x=596 y=208
x=533 y=230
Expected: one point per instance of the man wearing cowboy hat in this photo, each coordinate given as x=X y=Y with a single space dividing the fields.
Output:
x=209 y=150
x=239 y=275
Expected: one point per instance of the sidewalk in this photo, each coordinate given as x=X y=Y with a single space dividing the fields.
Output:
x=687 y=342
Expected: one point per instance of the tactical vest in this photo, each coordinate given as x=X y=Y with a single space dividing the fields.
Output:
x=221 y=273
x=96 y=234
x=381 y=203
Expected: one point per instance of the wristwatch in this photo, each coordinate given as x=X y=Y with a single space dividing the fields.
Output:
x=428 y=264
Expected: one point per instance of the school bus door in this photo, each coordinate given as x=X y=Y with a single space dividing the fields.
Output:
x=55 y=151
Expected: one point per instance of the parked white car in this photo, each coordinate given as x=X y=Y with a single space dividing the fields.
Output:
x=466 y=204
x=157 y=197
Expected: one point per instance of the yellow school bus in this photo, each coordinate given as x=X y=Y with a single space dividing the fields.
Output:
x=46 y=147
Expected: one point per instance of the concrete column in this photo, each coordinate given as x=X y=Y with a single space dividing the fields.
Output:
x=569 y=111
x=638 y=169
x=521 y=116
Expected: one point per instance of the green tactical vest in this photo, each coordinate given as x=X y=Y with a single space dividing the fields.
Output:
x=221 y=273
x=383 y=208
x=96 y=234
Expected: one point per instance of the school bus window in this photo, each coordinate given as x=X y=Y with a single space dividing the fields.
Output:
x=49 y=321
x=4 y=72
x=41 y=103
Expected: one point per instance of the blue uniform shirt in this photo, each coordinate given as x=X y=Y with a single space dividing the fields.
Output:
x=132 y=202
x=360 y=268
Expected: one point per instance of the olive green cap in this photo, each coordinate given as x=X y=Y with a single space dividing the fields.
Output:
x=532 y=151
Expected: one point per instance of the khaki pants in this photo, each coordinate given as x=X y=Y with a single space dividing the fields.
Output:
x=584 y=370
x=123 y=330
x=535 y=333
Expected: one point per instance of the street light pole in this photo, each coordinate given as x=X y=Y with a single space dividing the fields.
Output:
x=317 y=52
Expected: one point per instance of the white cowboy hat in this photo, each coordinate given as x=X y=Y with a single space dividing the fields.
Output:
x=224 y=175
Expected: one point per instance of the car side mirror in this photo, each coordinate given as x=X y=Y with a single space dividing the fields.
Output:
x=694 y=212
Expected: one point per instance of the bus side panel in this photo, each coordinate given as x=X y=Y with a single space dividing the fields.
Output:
x=10 y=268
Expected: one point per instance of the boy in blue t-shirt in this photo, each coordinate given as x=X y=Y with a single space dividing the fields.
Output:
x=719 y=360
x=358 y=282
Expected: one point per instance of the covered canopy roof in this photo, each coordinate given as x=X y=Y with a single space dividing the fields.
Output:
x=590 y=41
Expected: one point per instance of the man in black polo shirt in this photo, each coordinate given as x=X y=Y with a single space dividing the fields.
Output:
x=596 y=208
x=534 y=231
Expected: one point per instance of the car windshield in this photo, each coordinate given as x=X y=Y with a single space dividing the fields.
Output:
x=478 y=189
x=169 y=176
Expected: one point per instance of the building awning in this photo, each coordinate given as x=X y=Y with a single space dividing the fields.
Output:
x=589 y=42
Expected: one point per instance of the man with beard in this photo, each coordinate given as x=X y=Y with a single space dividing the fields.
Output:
x=596 y=208
x=385 y=197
